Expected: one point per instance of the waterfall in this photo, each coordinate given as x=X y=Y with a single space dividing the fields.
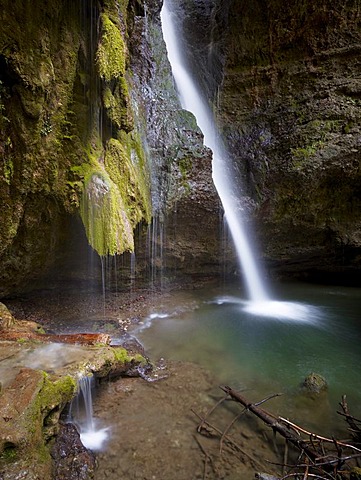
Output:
x=81 y=413
x=191 y=99
x=259 y=304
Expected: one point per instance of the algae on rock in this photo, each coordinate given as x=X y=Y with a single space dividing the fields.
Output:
x=63 y=93
x=116 y=194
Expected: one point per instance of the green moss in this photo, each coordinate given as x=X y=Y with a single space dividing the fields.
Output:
x=58 y=392
x=111 y=51
x=117 y=105
x=125 y=163
x=104 y=215
x=9 y=454
x=355 y=473
x=53 y=394
x=8 y=170
x=122 y=356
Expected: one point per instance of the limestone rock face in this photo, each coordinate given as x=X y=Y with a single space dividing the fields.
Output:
x=184 y=239
x=289 y=106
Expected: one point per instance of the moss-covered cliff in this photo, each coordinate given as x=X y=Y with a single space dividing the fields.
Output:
x=66 y=126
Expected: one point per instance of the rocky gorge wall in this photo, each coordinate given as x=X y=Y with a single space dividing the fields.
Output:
x=289 y=106
x=93 y=141
x=68 y=143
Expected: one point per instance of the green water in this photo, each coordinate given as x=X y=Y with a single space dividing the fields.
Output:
x=318 y=330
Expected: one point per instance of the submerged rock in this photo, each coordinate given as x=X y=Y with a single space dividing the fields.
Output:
x=314 y=383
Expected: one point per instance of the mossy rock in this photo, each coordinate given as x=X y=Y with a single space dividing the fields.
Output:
x=111 y=53
x=30 y=419
x=116 y=196
x=30 y=407
x=6 y=319
x=314 y=383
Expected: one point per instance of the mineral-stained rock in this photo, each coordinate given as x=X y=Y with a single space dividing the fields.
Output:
x=25 y=406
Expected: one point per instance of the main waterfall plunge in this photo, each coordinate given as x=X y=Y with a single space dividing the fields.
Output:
x=191 y=99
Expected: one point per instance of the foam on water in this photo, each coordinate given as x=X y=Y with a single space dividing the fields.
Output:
x=280 y=310
x=292 y=311
x=94 y=439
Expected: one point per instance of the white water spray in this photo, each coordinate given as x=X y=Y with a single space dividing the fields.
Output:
x=260 y=303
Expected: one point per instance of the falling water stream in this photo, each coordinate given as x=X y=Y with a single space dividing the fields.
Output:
x=260 y=302
x=81 y=413
x=191 y=99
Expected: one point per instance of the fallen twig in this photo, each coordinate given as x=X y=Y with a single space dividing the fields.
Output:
x=206 y=455
x=232 y=442
x=313 y=436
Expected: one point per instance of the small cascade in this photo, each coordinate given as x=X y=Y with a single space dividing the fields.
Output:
x=81 y=413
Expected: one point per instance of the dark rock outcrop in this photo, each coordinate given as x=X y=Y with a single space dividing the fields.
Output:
x=287 y=101
x=72 y=461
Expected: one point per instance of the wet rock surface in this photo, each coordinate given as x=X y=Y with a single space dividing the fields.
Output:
x=153 y=431
x=72 y=461
x=314 y=383
x=151 y=428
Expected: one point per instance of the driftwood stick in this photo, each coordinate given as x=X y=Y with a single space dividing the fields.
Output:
x=273 y=423
x=305 y=476
x=210 y=411
x=313 y=436
x=285 y=456
x=312 y=475
x=352 y=421
x=268 y=398
x=206 y=457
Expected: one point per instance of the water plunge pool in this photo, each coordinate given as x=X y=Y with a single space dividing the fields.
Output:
x=268 y=348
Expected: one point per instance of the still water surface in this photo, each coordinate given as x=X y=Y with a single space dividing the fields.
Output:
x=262 y=352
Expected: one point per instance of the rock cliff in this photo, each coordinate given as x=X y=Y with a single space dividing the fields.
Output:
x=69 y=143
x=289 y=105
